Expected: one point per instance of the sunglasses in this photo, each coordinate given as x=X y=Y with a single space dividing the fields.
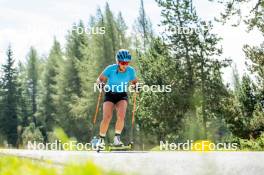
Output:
x=124 y=63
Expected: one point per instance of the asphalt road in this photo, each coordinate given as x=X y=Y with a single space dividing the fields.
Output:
x=152 y=163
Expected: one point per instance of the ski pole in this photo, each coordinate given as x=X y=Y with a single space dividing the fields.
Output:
x=97 y=106
x=95 y=115
x=133 y=118
x=134 y=108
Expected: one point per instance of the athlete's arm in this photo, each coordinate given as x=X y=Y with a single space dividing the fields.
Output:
x=101 y=79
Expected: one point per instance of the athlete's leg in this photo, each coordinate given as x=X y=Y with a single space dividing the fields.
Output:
x=107 y=116
x=121 y=107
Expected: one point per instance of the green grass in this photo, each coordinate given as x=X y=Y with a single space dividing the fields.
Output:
x=14 y=166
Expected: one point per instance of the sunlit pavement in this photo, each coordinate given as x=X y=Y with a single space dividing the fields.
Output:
x=151 y=163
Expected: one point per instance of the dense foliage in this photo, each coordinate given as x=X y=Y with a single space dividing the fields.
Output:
x=58 y=90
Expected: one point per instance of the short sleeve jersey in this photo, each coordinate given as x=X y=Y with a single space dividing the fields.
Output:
x=118 y=81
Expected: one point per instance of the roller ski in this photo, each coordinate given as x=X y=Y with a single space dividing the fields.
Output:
x=128 y=147
x=120 y=146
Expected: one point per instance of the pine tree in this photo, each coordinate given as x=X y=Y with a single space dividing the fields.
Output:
x=69 y=84
x=160 y=114
x=214 y=98
x=247 y=97
x=143 y=27
x=24 y=106
x=9 y=116
x=244 y=107
x=111 y=30
x=255 y=56
x=76 y=44
x=121 y=31
x=101 y=44
x=47 y=107
x=182 y=44
x=235 y=79
x=32 y=79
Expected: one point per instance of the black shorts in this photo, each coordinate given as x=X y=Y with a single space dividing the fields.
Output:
x=115 y=97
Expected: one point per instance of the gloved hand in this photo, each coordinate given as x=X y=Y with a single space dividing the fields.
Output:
x=101 y=85
x=137 y=87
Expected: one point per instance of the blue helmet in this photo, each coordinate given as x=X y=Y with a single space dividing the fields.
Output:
x=123 y=55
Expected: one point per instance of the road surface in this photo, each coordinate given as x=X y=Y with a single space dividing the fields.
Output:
x=156 y=163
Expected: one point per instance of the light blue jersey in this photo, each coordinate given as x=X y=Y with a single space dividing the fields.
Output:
x=118 y=81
